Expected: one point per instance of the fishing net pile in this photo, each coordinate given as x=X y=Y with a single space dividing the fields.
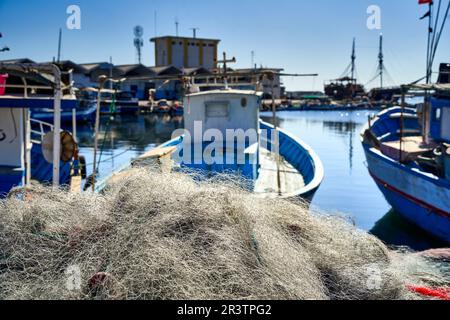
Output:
x=171 y=236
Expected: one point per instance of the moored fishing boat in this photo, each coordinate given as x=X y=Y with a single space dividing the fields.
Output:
x=84 y=112
x=408 y=149
x=413 y=171
x=224 y=134
x=118 y=102
x=29 y=149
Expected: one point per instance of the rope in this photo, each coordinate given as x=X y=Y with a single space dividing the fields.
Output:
x=112 y=110
x=440 y=293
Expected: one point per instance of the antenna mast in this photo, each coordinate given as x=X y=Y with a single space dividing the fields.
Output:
x=138 y=41
x=176 y=26
x=194 y=30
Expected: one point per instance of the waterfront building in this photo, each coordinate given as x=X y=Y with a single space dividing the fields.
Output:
x=182 y=52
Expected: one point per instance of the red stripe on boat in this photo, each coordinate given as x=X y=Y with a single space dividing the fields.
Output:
x=423 y=204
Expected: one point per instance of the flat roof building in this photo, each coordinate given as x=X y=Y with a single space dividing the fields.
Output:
x=183 y=52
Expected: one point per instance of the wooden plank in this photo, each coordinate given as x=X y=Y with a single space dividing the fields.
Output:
x=75 y=184
x=291 y=179
x=158 y=153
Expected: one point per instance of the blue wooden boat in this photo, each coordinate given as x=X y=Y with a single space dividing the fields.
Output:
x=13 y=151
x=412 y=170
x=223 y=134
x=83 y=114
x=27 y=145
x=118 y=102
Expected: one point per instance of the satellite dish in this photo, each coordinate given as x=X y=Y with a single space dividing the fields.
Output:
x=68 y=147
x=138 y=31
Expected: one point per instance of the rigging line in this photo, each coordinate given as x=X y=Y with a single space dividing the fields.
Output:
x=372 y=80
x=430 y=23
x=436 y=24
x=346 y=71
x=15 y=125
x=388 y=74
x=377 y=74
x=440 y=34
x=114 y=156
x=356 y=74
x=104 y=142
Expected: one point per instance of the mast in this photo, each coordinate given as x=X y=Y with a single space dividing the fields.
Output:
x=426 y=111
x=381 y=61
x=58 y=60
x=353 y=68
x=225 y=61
x=353 y=59
x=430 y=34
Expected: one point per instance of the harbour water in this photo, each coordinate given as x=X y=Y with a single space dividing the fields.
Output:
x=346 y=190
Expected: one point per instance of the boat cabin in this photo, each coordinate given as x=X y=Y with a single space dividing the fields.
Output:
x=12 y=164
x=222 y=131
x=28 y=148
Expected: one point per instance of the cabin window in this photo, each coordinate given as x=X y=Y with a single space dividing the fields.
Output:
x=438 y=113
x=217 y=109
x=243 y=102
x=445 y=124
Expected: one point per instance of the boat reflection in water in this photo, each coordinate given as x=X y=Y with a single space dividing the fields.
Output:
x=395 y=230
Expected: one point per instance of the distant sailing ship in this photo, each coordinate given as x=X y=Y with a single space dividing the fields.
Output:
x=346 y=86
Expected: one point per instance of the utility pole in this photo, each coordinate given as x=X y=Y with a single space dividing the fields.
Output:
x=110 y=72
x=225 y=61
x=253 y=59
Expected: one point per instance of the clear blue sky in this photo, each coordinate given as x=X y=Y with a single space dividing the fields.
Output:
x=301 y=36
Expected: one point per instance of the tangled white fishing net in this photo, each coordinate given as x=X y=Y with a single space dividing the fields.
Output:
x=168 y=236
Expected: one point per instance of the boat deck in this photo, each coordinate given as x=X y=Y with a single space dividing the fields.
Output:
x=409 y=148
x=291 y=178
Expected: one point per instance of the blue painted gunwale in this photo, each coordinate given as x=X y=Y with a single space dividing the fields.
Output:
x=297 y=153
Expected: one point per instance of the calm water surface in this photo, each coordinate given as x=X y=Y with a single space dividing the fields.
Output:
x=335 y=136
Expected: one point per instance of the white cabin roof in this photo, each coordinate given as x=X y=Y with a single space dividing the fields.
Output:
x=226 y=92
